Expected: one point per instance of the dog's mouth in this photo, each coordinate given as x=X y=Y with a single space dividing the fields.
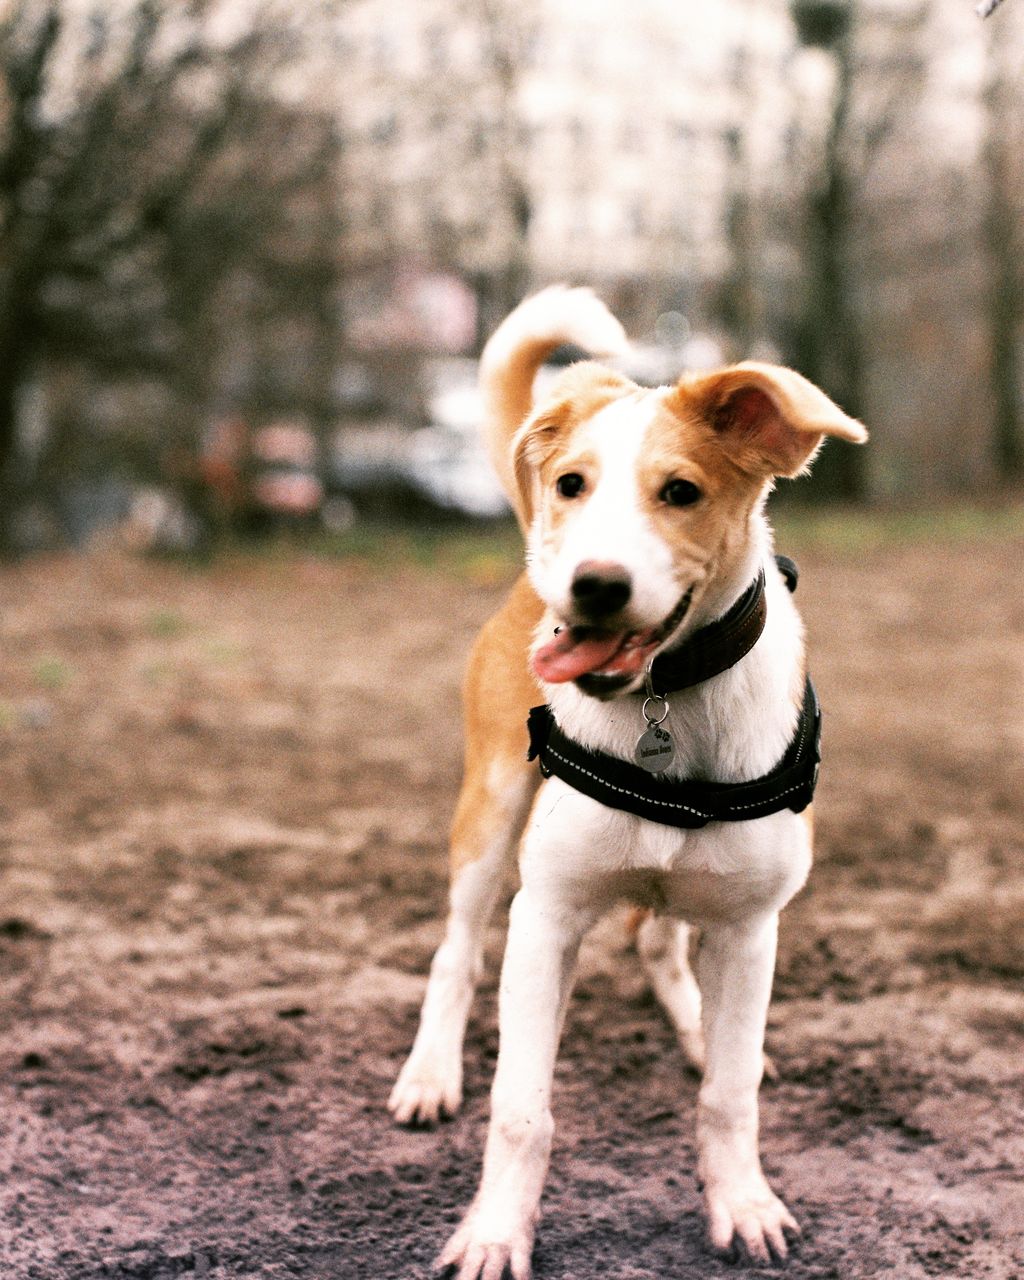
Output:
x=603 y=661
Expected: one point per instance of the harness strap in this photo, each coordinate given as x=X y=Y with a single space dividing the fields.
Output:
x=686 y=803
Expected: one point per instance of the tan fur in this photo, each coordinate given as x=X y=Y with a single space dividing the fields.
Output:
x=499 y=692
x=508 y=398
x=538 y=449
x=804 y=416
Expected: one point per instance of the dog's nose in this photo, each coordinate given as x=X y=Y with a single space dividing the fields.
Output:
x=601 y=588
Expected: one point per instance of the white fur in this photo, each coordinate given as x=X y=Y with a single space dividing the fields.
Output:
x=558 y=314
x=608 y=524
x=430 y=1083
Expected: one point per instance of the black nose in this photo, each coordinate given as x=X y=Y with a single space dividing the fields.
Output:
x=601 y=588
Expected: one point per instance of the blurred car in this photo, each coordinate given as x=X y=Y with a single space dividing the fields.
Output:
x=285 y=482
x=440 y=469
x=447 y=460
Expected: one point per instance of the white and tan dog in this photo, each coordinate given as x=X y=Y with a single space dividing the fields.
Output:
x=632 y=500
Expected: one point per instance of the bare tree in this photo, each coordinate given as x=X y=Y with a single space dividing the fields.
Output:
x=472 y=110
x=507 y=33
x=143 y=164
x=1003 y=177
x=876 y=85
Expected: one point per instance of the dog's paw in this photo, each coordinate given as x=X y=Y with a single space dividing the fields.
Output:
x=751 y=1216
x=425 y=1092
x=480 y=1252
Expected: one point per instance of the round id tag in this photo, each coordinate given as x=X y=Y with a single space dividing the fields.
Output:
x=654 y=749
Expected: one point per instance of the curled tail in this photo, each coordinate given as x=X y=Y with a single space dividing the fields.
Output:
x=517 y=349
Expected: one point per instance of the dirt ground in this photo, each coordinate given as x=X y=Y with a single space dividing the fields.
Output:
x=224 y=796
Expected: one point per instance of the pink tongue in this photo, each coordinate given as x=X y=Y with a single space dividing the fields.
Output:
x=576 y=651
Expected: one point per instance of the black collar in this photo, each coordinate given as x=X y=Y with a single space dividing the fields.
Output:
x=720 y=645
x=716 y=647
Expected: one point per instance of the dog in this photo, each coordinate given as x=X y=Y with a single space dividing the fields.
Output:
x=643 y=511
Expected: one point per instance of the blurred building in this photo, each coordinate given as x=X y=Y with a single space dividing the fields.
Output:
x=572 y=139
x=696 y=159
x=295 y=214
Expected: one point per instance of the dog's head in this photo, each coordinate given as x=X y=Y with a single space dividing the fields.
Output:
x=644 y=505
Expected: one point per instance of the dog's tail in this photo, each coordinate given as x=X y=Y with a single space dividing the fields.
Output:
x=517 y=349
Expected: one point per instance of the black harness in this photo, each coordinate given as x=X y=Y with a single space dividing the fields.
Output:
x=693 y=802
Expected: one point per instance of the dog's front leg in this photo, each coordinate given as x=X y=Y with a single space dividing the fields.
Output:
x=735 y=965
x=536 y=979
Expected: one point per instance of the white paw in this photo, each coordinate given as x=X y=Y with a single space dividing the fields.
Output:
x=426 y=1090
x=751 y=1213
x=482 y=1251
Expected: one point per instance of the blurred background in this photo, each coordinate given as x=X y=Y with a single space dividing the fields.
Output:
x=249 y=250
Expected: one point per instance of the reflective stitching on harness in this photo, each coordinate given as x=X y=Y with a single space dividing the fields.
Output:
x=757 y=803
x=796 y=760
x=668 y=804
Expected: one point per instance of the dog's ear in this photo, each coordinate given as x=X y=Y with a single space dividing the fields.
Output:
x=580 y=392
x=770 y=420
x=535 y=442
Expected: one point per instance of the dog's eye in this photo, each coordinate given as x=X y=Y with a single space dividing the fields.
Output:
x=680 y=493
x=570 y=485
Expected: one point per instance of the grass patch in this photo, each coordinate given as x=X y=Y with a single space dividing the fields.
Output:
x=484 y=554
x=221 y=651
x=51 y=673
x=165 y=624
x=855 y=531
x=492 y=552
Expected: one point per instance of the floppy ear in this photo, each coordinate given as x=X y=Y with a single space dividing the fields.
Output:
x=771 y=420
x=531 y=445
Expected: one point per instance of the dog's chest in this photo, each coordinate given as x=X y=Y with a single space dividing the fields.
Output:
x=711 y=872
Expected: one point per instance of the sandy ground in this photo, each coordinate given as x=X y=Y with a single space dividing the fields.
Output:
x=224 y=797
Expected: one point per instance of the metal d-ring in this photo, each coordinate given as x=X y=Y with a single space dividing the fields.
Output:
x=653 y=697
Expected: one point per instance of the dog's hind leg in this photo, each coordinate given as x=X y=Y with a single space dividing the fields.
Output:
x=663 y=945
x=497 y=790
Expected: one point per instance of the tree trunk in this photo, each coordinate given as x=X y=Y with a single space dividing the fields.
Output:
x=12 y=374
x=1005 y=300
x=829 y=344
